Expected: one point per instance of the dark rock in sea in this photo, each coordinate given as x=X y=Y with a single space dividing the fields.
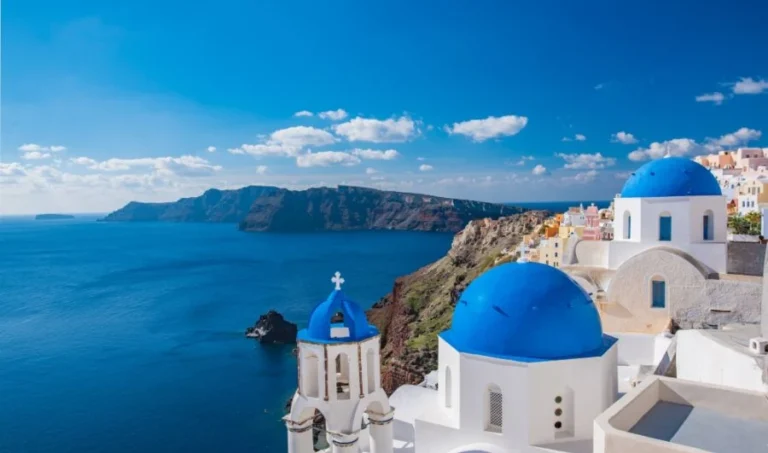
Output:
x=262 y=208
x=272 y=328
x=54 y=217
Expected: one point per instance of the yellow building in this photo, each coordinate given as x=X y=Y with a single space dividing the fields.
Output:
x=564 y=232
x=550 y=251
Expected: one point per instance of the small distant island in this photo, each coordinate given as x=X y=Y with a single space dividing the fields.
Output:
x=342 y=208
x=54 y=217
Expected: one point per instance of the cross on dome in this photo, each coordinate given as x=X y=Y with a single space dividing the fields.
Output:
x=523 y=248
x=337 y=280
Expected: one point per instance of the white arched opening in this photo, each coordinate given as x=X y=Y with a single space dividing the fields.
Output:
x=627 y=233
x=342 y=377
x=665 y=226
x=448 y=387
x=658 y=292
x=494 y=409
x=708 y=225
x=370 y=370
x=310 y=385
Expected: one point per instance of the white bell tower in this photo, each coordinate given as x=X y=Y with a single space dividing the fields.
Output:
x=339 y=376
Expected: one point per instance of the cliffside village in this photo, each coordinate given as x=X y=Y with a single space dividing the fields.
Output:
x=741 y=174
x=653 y=341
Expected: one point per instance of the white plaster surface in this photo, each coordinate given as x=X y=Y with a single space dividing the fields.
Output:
x=721 y=357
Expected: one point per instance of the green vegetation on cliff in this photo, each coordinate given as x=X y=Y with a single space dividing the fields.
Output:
x=421 y=304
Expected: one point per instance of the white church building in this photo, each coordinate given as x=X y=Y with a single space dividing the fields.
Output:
x=669 y=255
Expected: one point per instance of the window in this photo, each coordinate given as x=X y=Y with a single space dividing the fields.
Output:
x=627 y=225
x=371 y=370
x=310 y=384
x=448 y=387
x=708 y=226
x=658 y=293
x=495 y=416
x=665 y=227
x=555 y=254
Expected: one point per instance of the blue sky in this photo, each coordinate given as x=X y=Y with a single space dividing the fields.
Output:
x=106 y=102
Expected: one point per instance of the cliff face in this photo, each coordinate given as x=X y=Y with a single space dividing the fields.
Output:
x=421 y=304
x=258 y=208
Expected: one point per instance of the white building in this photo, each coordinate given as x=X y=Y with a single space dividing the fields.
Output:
x=524 y=367
x=672 y=202
x=669 y=255
x=339 y=377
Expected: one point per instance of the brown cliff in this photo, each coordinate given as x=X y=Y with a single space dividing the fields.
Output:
x=421 y=304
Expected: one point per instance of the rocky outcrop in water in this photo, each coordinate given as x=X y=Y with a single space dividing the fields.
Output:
x=272 y=328
x=258 y=208
x=421 y=304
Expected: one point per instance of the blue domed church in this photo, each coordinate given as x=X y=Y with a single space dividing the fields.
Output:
x=524 y=367
x=671 y=202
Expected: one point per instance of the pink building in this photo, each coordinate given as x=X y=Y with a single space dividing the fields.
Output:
x=592 y=224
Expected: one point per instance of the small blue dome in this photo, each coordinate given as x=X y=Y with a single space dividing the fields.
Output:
x=527 y=312
x=671 y=177
x=321 y=324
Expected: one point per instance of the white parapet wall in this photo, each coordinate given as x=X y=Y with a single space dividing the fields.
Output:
x=721 y=357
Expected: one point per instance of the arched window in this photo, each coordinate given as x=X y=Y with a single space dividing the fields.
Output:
x=658 y=292
x=708 y=226
x=627 y=225
x=370 y=370
x=342 y=377
x=665 y=227
x=494 y=414
x=309 y=371
x=448 y=387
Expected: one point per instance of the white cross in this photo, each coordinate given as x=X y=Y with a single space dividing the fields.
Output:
x=523 y=249
x=338 y=280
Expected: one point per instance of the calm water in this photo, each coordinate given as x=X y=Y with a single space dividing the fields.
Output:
x=560 y=206
x=129 y=337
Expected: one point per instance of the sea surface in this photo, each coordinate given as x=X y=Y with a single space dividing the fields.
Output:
x=119 y=337
x=559 y=206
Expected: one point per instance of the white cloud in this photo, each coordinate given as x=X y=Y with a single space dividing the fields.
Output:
x=747 y=85
x=425 y=167
x=326 y=158
x=370 y=171
x=181 y=166
x=492 y=127
x=33 y=147
x=374 y=154
x=539 y=170
x=35 y=155
x=87 y=161
x=211 y=149
x=740 y=137
x=377 y=131
x=599 y=86
x=523 y=159
x=584 y=177
x=717 y=98
x=584 y=161
x=287 y=142
x=261 y=169
x=577 y=137
x=333 y=115
x=675 y=147
x=420 y=159
x=303 y=113
x=11 y=169
x=623 y=137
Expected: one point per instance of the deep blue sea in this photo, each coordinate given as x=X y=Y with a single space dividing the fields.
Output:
x=119 y=337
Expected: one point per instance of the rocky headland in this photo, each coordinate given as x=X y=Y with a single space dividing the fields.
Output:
x=263 y=208
x=421 y=304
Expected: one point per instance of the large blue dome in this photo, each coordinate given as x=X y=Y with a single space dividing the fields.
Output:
x=527 y=312
x=671 y=177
